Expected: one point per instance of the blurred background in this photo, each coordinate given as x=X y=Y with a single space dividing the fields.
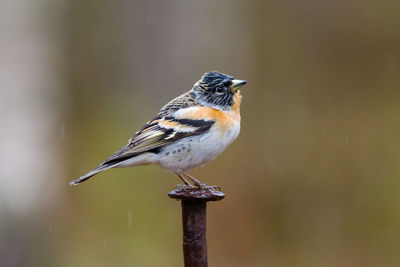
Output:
x=312 y=180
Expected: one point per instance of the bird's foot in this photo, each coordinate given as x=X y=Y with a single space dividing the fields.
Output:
x=200 y=186
x=195 y=184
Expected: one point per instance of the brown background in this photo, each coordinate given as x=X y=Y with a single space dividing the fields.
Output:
x=312 y=180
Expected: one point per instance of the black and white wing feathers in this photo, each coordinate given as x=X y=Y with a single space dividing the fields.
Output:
x=162 y=130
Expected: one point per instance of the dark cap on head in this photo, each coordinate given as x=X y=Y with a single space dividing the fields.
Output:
x=215 y=79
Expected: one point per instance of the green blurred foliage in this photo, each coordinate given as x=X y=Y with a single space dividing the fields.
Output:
x=312 y=180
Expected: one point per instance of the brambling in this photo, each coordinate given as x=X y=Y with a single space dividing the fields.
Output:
x=188 y=132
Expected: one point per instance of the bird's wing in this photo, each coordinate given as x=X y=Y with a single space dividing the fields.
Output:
x=163 y=129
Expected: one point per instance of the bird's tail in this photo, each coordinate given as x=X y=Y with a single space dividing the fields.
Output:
x=93 y=172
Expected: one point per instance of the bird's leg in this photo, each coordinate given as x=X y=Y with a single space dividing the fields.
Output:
x=182 y=178
x=194 y=180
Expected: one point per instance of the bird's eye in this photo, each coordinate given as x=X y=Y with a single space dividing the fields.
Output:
x=219 y=90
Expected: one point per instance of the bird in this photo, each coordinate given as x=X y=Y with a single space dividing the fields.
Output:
x=188 y=132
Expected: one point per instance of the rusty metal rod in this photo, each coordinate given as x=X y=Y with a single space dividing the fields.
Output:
x=194 y=233
x=194 y=213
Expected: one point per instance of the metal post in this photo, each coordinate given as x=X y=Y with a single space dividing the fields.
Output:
x=194 y=208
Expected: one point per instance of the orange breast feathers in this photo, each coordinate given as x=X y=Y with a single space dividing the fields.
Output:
x=223 y=119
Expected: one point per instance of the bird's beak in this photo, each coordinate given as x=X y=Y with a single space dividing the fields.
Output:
x=236 y=84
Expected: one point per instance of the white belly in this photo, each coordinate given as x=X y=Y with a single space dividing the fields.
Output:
x=196 y=151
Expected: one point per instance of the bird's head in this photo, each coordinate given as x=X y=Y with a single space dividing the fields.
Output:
x=217 y=90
